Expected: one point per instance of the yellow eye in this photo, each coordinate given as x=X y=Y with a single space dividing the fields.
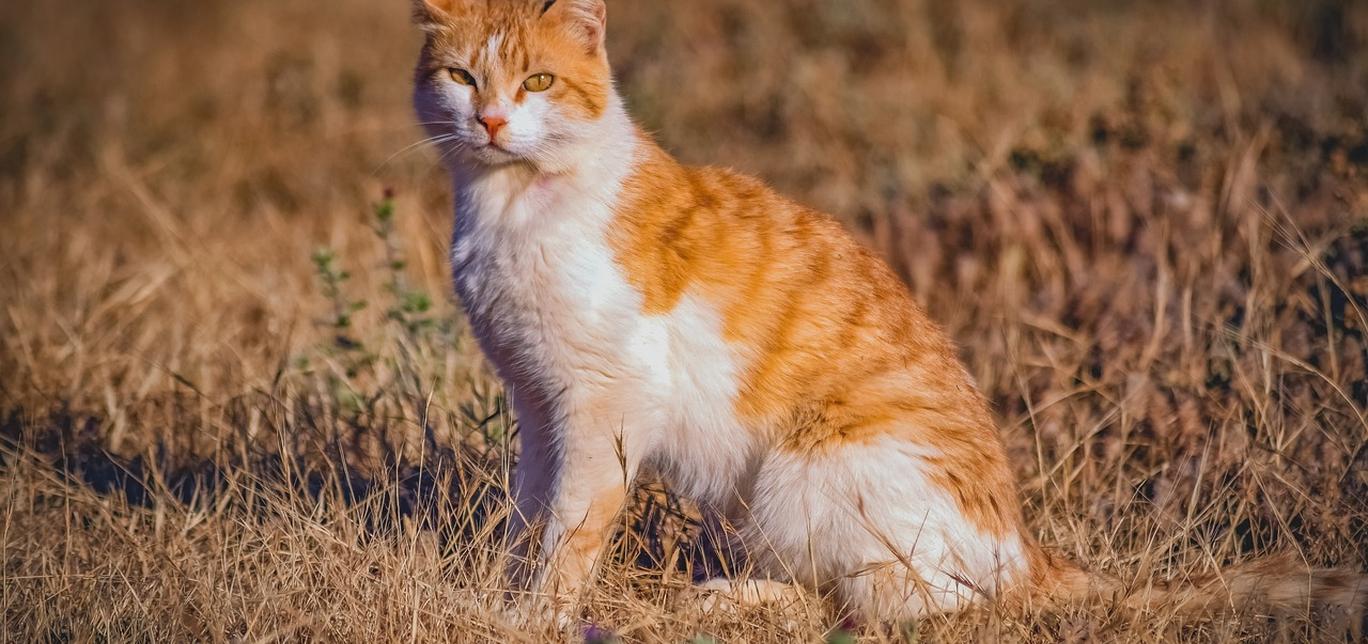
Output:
x=539 y=82
x=461 y=76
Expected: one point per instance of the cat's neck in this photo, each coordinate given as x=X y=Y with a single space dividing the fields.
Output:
x=590 y=170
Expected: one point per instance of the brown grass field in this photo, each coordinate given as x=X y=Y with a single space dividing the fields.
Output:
x=1145 y=223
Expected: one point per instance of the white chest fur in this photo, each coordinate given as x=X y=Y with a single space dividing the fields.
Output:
x=536 y=276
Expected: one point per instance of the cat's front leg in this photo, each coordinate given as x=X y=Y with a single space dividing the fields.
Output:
x=599 y=459
x=533 y=484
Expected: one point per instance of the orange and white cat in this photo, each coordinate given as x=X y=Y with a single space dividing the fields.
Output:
x=645 y=314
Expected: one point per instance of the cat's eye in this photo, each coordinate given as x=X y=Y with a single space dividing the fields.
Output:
x=539 y=82
x=461 y=76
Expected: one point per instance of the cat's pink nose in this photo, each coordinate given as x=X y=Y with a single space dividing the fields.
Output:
x=492 y=123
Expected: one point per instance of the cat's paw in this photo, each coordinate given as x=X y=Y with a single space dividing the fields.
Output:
x=728 y=597
x=714 y=597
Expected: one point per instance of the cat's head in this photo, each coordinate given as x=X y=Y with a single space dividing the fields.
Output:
x=507 y=81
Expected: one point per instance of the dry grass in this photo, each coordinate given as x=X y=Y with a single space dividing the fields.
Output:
x=1147 y=226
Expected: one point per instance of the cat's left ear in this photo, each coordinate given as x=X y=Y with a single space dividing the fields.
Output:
x=587 y=19
x=430 y=14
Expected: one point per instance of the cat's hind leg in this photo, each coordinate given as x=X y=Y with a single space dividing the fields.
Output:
x=870 y=522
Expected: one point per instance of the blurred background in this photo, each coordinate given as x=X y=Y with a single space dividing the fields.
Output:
x=1146 y=224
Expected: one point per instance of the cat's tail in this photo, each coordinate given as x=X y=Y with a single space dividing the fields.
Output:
x=1278 y=584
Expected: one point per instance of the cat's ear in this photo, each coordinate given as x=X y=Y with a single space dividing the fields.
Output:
x=586 y=19
x=430 y=14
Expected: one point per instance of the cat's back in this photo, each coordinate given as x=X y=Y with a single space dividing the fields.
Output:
x=812 y=314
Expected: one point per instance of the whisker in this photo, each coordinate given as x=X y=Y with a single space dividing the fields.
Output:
x=433 y=140
x=451 y=149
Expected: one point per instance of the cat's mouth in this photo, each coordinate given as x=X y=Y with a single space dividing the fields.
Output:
x=492 y=153
x=495 y=147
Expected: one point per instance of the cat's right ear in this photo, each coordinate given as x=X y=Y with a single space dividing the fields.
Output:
x=587 y=20
x=430 y=15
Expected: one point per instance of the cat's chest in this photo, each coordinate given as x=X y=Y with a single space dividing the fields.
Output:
x=539 y=281
x=511 y=285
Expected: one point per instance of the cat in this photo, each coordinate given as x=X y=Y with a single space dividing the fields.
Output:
x=645 y=314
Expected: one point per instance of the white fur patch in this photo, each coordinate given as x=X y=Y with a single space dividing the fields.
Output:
x=705 y=452
x=493 y=45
